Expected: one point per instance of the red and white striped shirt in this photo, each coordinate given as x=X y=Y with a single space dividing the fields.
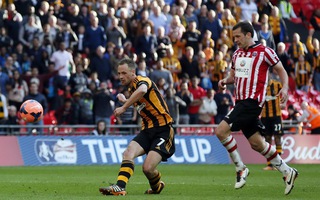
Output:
x=251 y=71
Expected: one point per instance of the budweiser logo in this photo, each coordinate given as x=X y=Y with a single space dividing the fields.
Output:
x=301 y=149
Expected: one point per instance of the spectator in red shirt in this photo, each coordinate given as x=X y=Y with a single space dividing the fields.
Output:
x=198 y=93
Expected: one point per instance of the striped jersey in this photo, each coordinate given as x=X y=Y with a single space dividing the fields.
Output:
x=151 y=107
x=271 y=107
x=251 y=71
x=2 y=104
x=303 y=72
x=172 y=64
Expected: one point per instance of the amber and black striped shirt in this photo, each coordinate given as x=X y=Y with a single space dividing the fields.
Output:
x=1 y=108
x=302 y=72
x=271 y=107
x=151 y=107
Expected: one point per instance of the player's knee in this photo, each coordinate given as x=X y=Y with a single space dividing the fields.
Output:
x=221 y=131
x=128 y=155
x=218 y=131
x=257 y=146
x=148 y=169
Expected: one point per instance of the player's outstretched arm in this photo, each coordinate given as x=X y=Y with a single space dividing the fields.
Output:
x=136 y=96
x=121 y=98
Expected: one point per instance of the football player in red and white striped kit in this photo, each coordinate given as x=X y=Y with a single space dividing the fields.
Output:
x=249 y=73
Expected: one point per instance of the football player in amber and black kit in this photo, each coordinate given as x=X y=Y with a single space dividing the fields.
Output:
x=156 y=138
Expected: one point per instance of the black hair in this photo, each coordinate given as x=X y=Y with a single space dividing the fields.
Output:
x=104 y=131
x=245 y=26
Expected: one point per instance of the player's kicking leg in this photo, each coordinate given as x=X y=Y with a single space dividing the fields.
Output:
x=289 y=180
x=289 y=174
x=125 y=172
x=113 y=190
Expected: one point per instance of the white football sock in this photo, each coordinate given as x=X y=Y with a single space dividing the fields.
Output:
x=271 y=154
x=231 y=145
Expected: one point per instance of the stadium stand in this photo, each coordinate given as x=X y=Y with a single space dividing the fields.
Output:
x=68 y=14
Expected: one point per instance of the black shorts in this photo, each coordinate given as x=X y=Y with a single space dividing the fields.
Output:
x=159 y=139
x=273 y=125
x=245 y=117
x=315 y=130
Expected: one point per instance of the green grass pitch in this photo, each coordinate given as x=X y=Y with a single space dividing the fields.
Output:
x=183 y=182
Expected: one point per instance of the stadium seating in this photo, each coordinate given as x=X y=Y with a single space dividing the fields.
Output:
x=317 y=101
x=292 y=83
x=23 y=128
x=284 y=114
x=306 y=7
x=186 y=131
x=307 y=10
x=297 y=106
x=83 y=131
x=301 y=95
x=316 y=4
x=291 y=99
x=312 y=94
x=63 y=131
x=49 y=118
x=205 y=131
x=195 y=131
x=296 y=6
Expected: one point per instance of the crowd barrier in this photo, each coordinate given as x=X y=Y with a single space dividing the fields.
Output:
x=84 y=149
x=20 y=130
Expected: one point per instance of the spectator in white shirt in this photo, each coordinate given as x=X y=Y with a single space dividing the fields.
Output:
x=158 y=19
x=247 y=8
x=65 y=59
x=208 y=109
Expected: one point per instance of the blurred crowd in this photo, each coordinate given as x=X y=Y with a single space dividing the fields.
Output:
x=64 y=54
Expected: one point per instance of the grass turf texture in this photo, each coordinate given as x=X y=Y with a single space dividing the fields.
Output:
x=182 y=182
